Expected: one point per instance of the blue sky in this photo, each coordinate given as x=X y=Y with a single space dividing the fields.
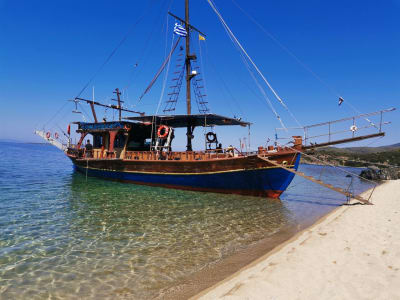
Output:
x=50 y=49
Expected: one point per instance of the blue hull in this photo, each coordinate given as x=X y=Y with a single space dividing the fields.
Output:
x=269 y=182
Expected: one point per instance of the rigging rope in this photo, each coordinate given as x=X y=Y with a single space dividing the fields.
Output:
x=144 y=53
x=215 y=69
x=251 y=61
x=160 y=70
x=264 y=94
x=166 y=72
x=114 y=50
x=105 y=62
x=202 y=67
x=306 y=67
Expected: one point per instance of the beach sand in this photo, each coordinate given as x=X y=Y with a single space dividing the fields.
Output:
x=352 y=253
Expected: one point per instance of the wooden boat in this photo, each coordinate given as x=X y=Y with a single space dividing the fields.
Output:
x=139 y=149
x=120 y=153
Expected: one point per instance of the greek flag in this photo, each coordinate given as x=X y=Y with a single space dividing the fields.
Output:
x=179 y=30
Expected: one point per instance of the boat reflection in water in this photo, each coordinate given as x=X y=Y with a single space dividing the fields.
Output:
x=137 y=238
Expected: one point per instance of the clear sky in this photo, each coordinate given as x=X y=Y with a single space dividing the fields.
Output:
x=50 y=49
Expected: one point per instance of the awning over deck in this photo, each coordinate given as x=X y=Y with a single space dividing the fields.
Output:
x=177 y=121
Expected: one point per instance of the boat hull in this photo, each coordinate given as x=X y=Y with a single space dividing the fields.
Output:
x=269 y=181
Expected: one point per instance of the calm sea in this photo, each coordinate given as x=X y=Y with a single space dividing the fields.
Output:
x=64 y=236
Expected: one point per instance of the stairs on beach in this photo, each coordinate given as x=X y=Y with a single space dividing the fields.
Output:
x=320 y=182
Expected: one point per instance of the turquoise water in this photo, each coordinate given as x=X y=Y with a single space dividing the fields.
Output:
x=64 y=236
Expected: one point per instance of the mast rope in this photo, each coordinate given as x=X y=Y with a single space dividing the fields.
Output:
x=104 y=63
x=224 y=84
x=159 y=70
x=166 y=72
x=203 y=69
x=263 y=93
x=144 y=53
x=306 y=67
x=114 y=50
x=251 y=61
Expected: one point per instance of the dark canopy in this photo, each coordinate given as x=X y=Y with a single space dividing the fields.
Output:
x=177 y=121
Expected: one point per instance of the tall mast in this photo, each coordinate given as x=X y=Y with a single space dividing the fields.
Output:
x=188 y=76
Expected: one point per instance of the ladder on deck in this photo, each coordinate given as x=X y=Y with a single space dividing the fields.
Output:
x=320 y=182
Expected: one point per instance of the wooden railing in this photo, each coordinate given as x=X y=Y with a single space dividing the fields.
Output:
x=174 y=155
x=184 y=155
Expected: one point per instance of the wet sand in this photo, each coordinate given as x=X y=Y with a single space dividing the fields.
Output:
x=214 y=273
x=352 y=253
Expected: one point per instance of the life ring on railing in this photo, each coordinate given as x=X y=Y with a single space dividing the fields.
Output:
x=211 y=137
x=56 y=136
x=48 y=134
x=162 y=131
x=127 y=127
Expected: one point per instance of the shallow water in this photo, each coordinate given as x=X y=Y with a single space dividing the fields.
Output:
x=65 y=236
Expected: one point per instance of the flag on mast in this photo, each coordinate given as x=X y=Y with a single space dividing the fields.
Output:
x=340 y=100
x=179 y=30
x=201 y=38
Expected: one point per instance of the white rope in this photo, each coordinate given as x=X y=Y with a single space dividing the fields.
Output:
x=251 y=61
x=202 y=67
x=263 y=92
x=164 y=80
x=306 y=67
x=256 y=80
x=166 y=71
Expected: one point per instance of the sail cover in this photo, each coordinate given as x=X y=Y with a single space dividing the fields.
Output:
x=177 y=121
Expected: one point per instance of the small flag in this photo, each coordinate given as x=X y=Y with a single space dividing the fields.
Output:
x=69 y=129
x=179 y=30
x=201 y=38
x=340 y=100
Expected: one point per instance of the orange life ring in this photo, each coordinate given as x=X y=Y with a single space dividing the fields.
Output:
x=162 y=131
x=56 y=135
x=48 y=134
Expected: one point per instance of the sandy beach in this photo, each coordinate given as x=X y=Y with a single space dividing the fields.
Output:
x=352 y=253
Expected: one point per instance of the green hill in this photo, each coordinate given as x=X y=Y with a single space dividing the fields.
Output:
x=359 y=156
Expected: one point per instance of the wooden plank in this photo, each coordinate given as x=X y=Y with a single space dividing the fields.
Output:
x=329 y=186
x=358 y=138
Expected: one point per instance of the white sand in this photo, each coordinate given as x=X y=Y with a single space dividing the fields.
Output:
x=353 y=253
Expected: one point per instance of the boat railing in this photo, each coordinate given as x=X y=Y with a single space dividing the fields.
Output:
x=99 y=153
x=175 y=155
x=340 y=131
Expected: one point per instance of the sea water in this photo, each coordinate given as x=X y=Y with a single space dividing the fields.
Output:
x=65 y=236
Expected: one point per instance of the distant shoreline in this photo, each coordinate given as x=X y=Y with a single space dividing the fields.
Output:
x=21 y=142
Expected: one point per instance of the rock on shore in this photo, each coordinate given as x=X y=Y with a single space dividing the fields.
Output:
x=374 y=173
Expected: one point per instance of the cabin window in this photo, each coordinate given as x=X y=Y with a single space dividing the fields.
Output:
x=147 y=143
x=137 y=145
x=119 y=141
x=97 y=141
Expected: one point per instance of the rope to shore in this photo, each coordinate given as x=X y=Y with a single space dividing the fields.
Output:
x=333 y=166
